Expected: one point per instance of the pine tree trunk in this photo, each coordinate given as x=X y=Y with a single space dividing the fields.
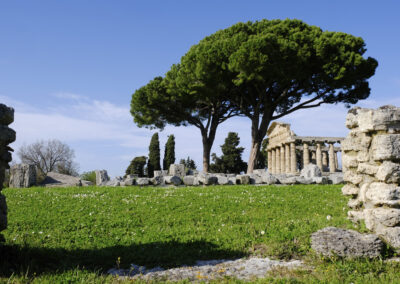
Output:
x=254 y=152
x=206 y=155
x=258 y=133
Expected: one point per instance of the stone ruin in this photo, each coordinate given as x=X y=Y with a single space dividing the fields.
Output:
x=22 y=176
x=283 y=144
x=371 y=164
x=7 y=136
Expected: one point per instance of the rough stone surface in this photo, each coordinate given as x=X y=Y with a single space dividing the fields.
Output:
x=336 y=178
x=208 y=270
x=269 y=178
x=310 y=171
x=143 y=181
x=189 y=180
x=177 y=170
x=129 y=181
x=333 y=241
x=101 y=177
x=222 y=180
x=371 y=165
x=175 y=180
x=53 y=179
x=243 y=179
x=114 y=182
x=158 y=180
x=207 y=179
x=160 y=173
x=22 y=176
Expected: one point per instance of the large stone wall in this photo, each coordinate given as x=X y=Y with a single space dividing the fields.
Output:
x=371 y=165
x=7 y=136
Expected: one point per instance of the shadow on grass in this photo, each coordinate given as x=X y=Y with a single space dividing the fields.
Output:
x=19 y=260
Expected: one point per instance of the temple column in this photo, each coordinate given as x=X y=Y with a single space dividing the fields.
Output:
x=287 y=158
x=269 y=165
x=318 y=154
x=306 y=155
x=283 y=159
x=332 y=168
x=293 y=158
x=324 y=159
x=273 y=160
x=336 y=161
x=278 y=160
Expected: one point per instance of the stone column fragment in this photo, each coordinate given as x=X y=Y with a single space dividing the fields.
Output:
x=293 y=158
x=306 y=155
x=332 y=165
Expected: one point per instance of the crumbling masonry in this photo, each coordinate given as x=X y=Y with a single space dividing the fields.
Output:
x=7 y=136
x=371 y=165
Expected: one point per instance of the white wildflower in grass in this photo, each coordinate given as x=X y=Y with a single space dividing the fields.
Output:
x=329 y=217
x=262 y=232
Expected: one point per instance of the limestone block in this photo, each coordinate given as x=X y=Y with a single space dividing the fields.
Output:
x=320 y=180
x=336 y=178
x=391 y=235
x=369 y=219
x=101 y=177
x=222 y=180
x=177 y=170
x=351 y=118
x=243 y=179
x=386 y=117
x=175 y=180
x=386 y=147
x=382 y=193
x=160 y=173
x=352 y=177
x=207 y=179
x=310 y=171
x=158 y=180
x=188 y=180
x=22 y=176
x=289 y=179
x=143 y=181
x=365 y=168
x=363 y=156
x=349 y=160
x=255 y=179
x=350 y=189
x=232 y=180
x=259 y=172
x=363 y=191
x=389 y=217
x=356 y=141
x=129 y=181
x=269 y=178
x=389 y=172
x=54 y=179
x=333 y=241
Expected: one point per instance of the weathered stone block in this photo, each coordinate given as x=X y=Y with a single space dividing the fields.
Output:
x=129 y=181
x=222 y=180
x=269 y=178
x=158 y=180
x=143 y=181
x=160 y=173
x=188 y=180
x=389 y=172
x=22 y=175
x=386 y=147
x=352 y=177
x=59 y=180
x=311 y=171
x=389 y=217
x=101 y=177
x=333 y=241
x=349 y=160
x=365 y=168
x=177 y=170
x=350 y=189
x=391 y=235
x=243 y=179
x=336 y=178
x=382 y=193
x=175 y=180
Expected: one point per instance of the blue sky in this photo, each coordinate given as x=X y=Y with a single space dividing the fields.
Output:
x=69 y=67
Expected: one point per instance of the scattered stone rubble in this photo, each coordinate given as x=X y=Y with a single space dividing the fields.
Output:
x=371 y=165
x=59 y=180
x=243 y=269
x=7 y=136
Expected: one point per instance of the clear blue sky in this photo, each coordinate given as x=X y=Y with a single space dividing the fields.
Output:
x=69 y=67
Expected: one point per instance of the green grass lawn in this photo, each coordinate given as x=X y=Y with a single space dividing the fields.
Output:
x=76 y=234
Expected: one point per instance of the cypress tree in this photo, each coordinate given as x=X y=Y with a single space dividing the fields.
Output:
x=231 y=159
x=169 y=153
x=153 y=163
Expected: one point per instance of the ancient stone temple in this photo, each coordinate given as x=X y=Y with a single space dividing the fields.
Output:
x=7 y=136
x=284 y=147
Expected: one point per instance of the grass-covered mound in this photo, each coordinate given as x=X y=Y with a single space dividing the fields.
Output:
x=76 y=234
